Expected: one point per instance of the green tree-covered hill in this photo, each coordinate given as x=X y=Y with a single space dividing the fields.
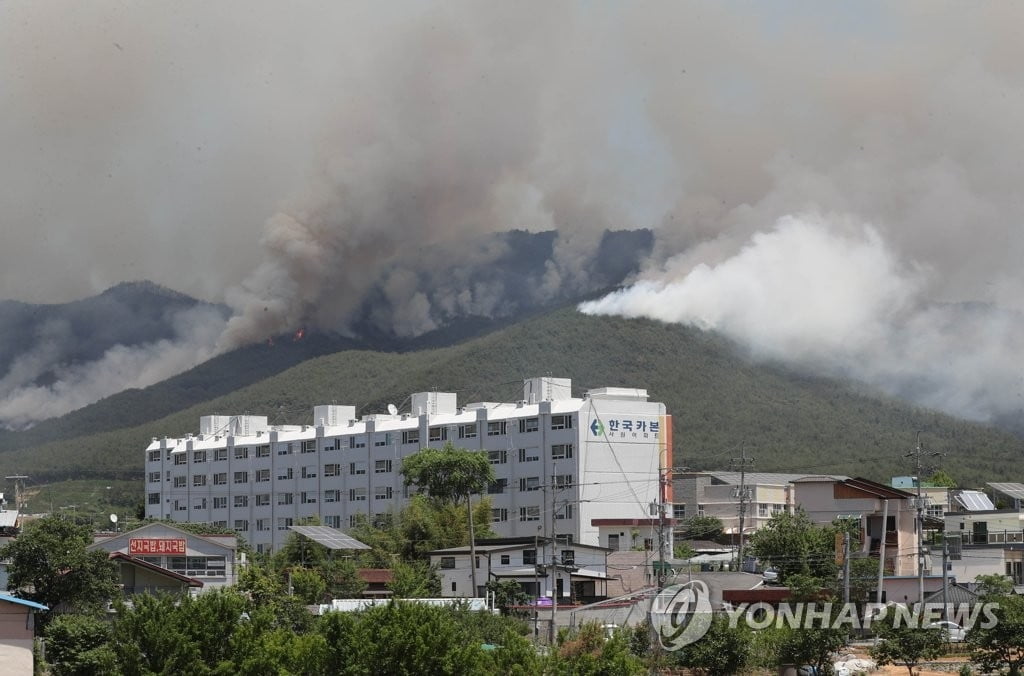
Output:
x=720 y=402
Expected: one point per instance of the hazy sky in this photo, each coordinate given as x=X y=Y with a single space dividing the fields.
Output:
x=276 y=155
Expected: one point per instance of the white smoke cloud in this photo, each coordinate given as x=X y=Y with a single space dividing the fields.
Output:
x=121 y=367
x=828 y=294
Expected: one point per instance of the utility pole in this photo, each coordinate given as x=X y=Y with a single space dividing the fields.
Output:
x=742 y=493
x=554 y=555
x=919 y=522
x=945 y=577
x=19 y=485
x=846 y=567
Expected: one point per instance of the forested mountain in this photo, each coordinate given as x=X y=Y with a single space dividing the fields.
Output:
x=720 y=401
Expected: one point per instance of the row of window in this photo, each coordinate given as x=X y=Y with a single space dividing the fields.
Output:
x=263 y=499
x=531 y=513
x=529 y=558
x=438 y=433
x=283 y=474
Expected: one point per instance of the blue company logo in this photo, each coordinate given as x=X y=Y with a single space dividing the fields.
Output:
x=597 y=427
x=681 y=614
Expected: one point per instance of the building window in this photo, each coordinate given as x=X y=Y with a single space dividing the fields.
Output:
x=154 y=498
x=220 y=502
x=285 y=498
x=357 y=442
x=563 y=512
x=220 y=455
x=467 y=431
x=382 y=493
x=497 y=486
x=355 y=468
x=309 y=446
x=411 y=437
x=332 y=521
x=447 y=562
x=179 y=481
x=499 y=515
x=241 y=525
x=561 y=451
x=285 y=474
x=561 y=422
x=438 y=434
x=497 y=457
x=353 y=520
x=497 y=428
x=357 y=494
x=262 y=499
x=263 y=452
x=529 y=454
x=180 y=506
x=198 y=480
x=381 y=466
x=529 y=513
x=762 y=509
x=779 y=509
x=307 y=498
x=241 y=501
x=529 y=557
x=284 y=522
x=331 y=496
x=241 y=477
x=679 y=511
x=309 y=472
x=332 y=469
x=180 y=459
x=563 y=480
x=154 y=477
x=262 y=525
x=198 y=456
x=529 y=483
x=564 y=539
x=220 y=479
x=284 y=449
x=154 y=456
x=241 y=453
x=528 y=425
x=262 y=475
x=506 y=559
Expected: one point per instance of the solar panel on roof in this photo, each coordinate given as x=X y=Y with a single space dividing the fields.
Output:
x=1011 y=489
x=974 y=501
x=332 y=538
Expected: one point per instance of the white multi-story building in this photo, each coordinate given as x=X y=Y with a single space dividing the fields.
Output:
x=578 y=460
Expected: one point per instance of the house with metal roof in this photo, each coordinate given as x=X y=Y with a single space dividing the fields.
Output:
x=17 y=633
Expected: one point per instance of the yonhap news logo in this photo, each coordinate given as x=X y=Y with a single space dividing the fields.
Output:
x=681 y=614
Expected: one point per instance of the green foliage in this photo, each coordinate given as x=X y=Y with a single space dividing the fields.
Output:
x=77 y=645
x=942 y=478
x=713 y=391
x=589 y=651
x=1000 y=645
x=308 y=585
x=417 y=579
x=813 y=645
x=448 y=474
x=795 y=545
x=993 y=587
x=703 y=527
x=902 y=644
x=342 y=579
x=507 y=593
x=49 y=564
x=722 y=651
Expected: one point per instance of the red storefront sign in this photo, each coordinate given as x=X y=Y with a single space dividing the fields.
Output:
x=156 y=546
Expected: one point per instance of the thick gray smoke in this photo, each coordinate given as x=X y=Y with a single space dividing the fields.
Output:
x=295 y=154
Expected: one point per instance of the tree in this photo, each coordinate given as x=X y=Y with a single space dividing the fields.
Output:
x=793 y=544
x=507 y=593
x=588 y=650
x=703 y=527
x=811 y=645
x=906 y=645
x=308 y=585
x=451 y=475
x=942 y=478
x=78 y=645
x=723 y=650
x=49 y=564
x=417 y=579
x=1003 y=642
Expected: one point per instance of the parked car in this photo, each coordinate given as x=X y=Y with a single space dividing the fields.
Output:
x=770 y=576
x=954 y=633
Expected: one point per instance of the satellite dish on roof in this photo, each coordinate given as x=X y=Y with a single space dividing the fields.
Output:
x=392 y=409
x=113 y=518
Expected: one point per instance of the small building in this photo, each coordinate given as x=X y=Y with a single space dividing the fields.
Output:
x=17 y=633
x=377 y=581
x=578 y=573
x=155 y=549
x=138 y=576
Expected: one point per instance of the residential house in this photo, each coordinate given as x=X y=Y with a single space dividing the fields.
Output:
x=17 y=633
